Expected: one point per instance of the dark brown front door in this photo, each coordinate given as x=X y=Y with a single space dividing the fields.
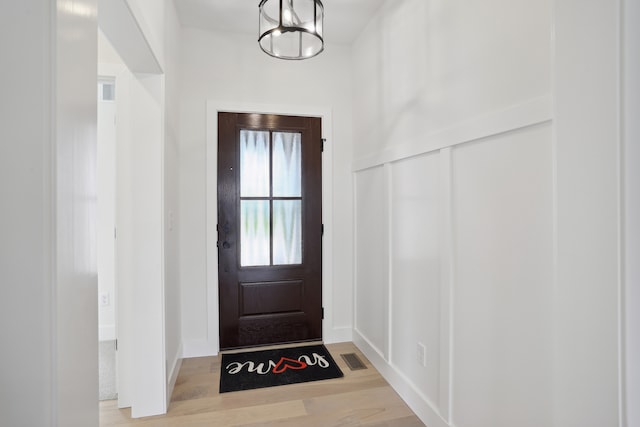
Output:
x=269 y=229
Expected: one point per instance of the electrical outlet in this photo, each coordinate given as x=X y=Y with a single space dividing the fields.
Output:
x=103 y=299
x=421 y=354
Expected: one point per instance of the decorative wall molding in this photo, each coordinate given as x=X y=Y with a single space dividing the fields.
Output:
x=446 y=241
x=435 y=409
x=432 y=414
x=529 y=113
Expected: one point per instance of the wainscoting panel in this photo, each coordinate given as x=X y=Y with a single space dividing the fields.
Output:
x=371 y=271
x=415 y=272
x=454 y=260
x=503 y=295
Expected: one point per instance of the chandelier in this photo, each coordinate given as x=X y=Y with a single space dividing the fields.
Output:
x=291 y=29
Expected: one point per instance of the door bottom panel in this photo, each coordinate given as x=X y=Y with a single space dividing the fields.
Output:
x=275 y=328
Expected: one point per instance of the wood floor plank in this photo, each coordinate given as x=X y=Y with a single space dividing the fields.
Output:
x=367 y=407
x=371 y=405
x=233 y=417
x=361 y=398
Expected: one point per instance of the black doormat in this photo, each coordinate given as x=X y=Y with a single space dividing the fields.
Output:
x=268 y=368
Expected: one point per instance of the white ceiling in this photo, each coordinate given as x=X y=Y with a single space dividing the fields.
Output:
x=343 y=21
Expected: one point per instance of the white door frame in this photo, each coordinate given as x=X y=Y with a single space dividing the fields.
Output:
x=211 y=345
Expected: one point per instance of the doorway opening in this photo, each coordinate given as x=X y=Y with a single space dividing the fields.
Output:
x=106 y=211
x=269 y=229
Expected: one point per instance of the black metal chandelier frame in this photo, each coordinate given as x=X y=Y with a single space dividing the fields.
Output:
x=281 y=28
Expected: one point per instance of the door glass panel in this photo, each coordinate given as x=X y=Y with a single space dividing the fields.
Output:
x=254 y=163
x=287 y=232
x=255 y=233
x=287 y=176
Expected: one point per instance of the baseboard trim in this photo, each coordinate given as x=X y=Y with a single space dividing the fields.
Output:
x=199 y=348
x=172 y=375
x=423 y=409
x=336 y=335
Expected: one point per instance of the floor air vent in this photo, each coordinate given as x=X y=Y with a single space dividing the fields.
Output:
x=353 y=361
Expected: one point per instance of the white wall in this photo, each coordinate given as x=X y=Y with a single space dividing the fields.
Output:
x=230 y=69
x=139 y=273
x=152 y=18
x=173 y=299
x=146 y=150
x=631 y=152
x=454 y=102
x=371 y=311
x=488 y=168
x=124 y=241
x=588 y=215
x=26 y=227
x=416 y=202
x=149 y=311
x=503 y=280
x=424 y=66
x=48 y=295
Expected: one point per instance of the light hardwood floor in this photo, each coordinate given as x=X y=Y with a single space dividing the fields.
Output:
x=361 y=398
